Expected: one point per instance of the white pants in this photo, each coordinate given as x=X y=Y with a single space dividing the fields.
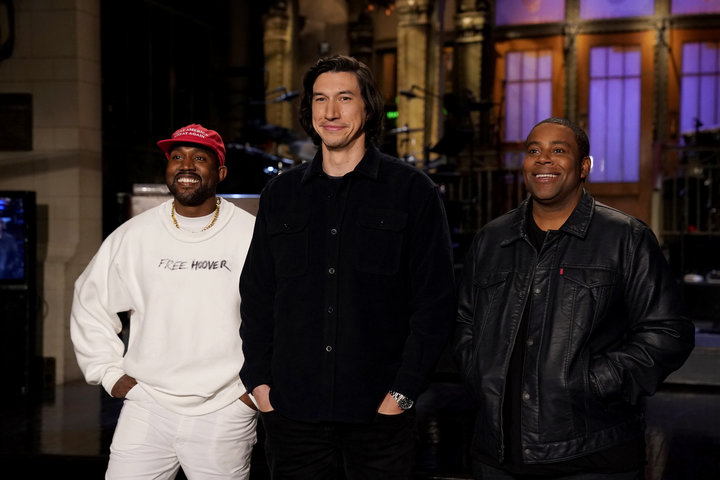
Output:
x=151 y=442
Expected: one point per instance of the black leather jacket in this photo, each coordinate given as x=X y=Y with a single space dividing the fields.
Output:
x=605 y=328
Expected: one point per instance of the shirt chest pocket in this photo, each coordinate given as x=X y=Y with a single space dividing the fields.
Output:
x=490 y=298
x=289 y=240
x=585 y=292
x=380 y=240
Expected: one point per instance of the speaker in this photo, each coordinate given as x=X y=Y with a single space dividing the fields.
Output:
x=18 y=344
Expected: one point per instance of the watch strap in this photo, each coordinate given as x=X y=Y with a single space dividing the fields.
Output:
x=403 y=402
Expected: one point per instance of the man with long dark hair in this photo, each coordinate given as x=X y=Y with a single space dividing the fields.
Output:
x=348 y=292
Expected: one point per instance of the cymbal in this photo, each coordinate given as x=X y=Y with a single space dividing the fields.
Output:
x=404 y=129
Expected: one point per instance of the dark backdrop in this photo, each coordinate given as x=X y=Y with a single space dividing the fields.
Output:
x=168 y=63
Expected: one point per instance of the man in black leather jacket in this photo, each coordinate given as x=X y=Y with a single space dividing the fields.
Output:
x=568 y=316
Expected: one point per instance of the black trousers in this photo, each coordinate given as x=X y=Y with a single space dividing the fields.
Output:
x=486 y=472
x=382 y=449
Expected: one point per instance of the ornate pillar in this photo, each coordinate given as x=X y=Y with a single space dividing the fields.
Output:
x=570 y=60
x=469 y=24
x=279 y=61
x=361 y=33
x=413 y=73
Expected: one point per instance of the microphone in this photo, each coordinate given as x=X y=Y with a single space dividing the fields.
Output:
x=408 y=93
x=286 y=97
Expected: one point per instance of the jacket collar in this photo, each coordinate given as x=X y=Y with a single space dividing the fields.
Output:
x=577 y=223
x=369 y=166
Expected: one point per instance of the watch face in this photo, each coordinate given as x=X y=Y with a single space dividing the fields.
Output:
x=405 y=403
x=402 y=401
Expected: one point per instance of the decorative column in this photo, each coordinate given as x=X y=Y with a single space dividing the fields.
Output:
x=279 y=61
x=469 y=25
x=413 y=72
x=661 y=114
x=361 y=33
x=661 y=130
x=570 y=60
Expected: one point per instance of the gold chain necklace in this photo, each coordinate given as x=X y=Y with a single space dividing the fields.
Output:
x=212 y=222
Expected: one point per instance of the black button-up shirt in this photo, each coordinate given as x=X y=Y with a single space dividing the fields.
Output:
x=347 y=290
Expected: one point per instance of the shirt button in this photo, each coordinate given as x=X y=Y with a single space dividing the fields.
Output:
x=328 y=348
x=526 y=396
x=527 y=451
x=530 y=342
x=333 y=231
x=331 y=271
x=330 y=310
x=537 y=290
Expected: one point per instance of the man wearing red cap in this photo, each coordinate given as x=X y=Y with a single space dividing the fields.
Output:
x=175 y=268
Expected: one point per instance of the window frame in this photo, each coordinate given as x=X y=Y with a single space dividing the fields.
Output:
x=502 y=47
x=678 y=37
x=646 y=41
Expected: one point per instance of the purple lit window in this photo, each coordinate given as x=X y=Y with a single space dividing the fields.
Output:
x=614 y=123
x=692 y=7
x=595 y=9
x=528 y=91
x=520 y=12
x=700 y=86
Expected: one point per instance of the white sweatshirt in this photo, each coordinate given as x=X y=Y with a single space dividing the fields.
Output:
x=181 y=290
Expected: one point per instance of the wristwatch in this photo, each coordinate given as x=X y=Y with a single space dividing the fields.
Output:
x=403 y=402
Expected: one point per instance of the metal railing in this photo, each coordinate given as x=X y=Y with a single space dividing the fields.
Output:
x=484 y=186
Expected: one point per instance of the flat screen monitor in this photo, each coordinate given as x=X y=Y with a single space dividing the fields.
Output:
x=17 y=237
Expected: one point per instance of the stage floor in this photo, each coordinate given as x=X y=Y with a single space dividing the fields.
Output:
x=71 y=434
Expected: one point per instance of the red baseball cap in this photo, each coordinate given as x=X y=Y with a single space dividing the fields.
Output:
x=195 y=133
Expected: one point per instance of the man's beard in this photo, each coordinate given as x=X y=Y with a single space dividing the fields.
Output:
x=191 y=198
